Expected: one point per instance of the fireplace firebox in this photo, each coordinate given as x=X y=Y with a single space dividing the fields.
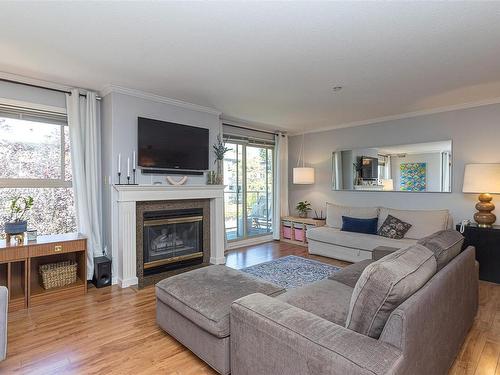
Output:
x=172 y=239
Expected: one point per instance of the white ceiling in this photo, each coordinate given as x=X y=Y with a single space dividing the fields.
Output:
x=271 y=63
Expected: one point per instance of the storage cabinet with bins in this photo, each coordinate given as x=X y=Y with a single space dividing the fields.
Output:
x=294 y=229
x=19 y=269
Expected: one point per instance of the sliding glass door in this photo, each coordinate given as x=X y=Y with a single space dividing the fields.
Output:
x=233 y=193
x=248 y=176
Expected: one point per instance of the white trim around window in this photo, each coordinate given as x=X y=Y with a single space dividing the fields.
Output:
x=33 y=183
x=32 y=106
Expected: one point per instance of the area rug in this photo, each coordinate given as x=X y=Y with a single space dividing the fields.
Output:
x=291 y=271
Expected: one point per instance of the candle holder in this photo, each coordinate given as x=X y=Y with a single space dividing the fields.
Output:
x=131 y=179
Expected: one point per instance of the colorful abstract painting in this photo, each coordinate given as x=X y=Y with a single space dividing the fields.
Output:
x=413 y=176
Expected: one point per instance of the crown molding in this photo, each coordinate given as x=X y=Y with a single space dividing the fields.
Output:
x=402 y=116
x=108 y=89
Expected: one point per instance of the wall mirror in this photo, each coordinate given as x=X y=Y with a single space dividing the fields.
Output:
x=417 y=167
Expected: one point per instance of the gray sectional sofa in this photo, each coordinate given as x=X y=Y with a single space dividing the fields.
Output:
x=406 y=313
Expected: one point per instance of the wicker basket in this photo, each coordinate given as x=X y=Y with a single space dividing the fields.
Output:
x=58 y=274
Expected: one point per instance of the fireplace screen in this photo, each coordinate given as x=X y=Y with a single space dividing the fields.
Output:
x=172 y=237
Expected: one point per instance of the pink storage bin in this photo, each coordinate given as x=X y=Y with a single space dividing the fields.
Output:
x=287 y=233
x=299 y=234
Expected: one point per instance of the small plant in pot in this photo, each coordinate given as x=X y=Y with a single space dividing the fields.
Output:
x=18 y=208
x=220 y=150
x=303 y=208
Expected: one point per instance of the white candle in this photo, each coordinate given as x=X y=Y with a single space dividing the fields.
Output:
x=133 y=163
x=128 y=167
x=119 y=163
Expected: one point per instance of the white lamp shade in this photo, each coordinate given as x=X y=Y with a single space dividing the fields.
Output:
x=303 y=176
x=482 y=178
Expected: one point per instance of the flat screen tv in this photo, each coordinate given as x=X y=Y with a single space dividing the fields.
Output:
x=369 y=168
x=166 y=145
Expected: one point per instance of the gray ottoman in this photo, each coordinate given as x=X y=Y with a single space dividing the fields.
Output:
x=194 y=308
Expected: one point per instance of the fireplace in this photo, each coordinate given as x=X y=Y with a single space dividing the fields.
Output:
x=172 y=239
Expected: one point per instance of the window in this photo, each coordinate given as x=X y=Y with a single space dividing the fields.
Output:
x=35 y=155
x=248 y=176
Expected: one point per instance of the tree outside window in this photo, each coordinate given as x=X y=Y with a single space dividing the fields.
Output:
x=35 y=155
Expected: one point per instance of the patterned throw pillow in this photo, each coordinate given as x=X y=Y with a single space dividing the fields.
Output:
x=393 y=228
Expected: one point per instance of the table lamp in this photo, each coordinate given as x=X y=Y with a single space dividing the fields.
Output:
x=483 y=179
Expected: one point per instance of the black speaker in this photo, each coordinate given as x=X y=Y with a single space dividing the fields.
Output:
x=102 y=272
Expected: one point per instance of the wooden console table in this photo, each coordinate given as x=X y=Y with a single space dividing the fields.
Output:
x=293 y=229
x=19 y=268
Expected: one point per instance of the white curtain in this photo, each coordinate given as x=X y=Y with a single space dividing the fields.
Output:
x=280 y=182
x=85 y=140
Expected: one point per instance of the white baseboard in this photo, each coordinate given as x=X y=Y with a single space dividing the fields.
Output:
x=249 y=242
x=128 y=282
x=219 y=260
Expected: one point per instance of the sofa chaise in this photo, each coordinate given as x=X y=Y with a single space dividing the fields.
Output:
x=194 y=308
x=407 y=313
x=331 y=241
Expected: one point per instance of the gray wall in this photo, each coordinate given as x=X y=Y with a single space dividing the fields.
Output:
x=119 y=135
x=475 y=133
x=120 y=130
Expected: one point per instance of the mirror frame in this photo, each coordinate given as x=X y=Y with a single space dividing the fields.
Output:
x=452 y=175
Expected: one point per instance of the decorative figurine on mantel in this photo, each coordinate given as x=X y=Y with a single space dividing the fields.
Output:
x=220 y=150
x=17 y=225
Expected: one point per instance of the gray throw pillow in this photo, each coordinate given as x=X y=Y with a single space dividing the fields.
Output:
x=385 y=284
x=393 y=228
x=445 y=244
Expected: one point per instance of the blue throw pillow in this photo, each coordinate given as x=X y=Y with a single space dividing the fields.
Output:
x=352 y=224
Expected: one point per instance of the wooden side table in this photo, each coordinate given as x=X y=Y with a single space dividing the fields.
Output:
x=19 y=265
x=487 y=244
x=293 y=229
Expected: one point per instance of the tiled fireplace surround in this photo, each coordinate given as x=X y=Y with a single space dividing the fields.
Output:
x=131 y=201
x=176 y=205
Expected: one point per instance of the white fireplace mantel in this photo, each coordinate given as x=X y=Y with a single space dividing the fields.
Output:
x=125 y=198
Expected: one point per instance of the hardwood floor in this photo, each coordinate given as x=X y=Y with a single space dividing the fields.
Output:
x=113 y=331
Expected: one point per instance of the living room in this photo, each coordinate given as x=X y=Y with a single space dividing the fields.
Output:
x=249 y=187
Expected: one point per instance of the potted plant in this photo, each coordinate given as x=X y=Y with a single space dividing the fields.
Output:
x=18 y=208
x=303 y=208
x=220 y=150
